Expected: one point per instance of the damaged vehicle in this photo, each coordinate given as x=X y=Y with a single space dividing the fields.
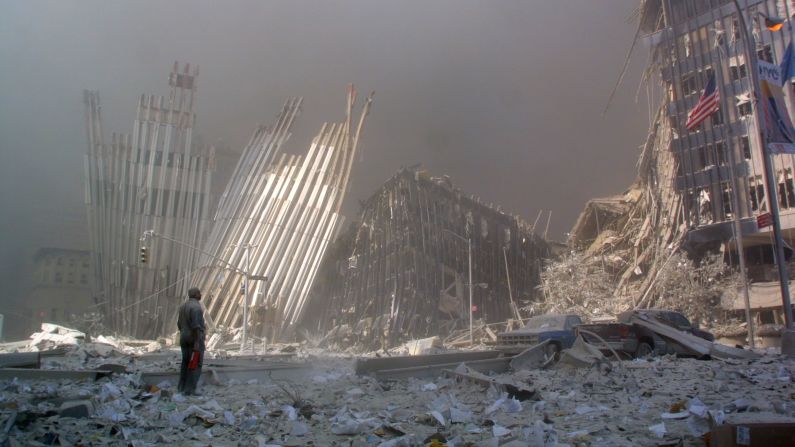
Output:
x=624 y=336
x=559 y=329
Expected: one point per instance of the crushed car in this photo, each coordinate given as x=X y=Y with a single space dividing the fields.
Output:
x=626 y=337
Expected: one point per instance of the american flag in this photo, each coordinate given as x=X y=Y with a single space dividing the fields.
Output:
x=707 y=104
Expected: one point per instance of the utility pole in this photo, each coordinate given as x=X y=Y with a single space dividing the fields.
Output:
x=772 y=189
x=735 y=203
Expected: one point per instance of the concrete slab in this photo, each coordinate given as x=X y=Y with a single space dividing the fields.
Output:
x=496 y=365
x=20 y=360
x=51 y=374
x=286 y=372
x=369 y=365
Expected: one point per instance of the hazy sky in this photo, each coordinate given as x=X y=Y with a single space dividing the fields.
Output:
x=503 y=96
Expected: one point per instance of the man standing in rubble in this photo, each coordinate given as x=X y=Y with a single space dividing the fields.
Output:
x=191 y=340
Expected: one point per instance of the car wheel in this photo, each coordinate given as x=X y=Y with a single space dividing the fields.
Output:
x=644 y=350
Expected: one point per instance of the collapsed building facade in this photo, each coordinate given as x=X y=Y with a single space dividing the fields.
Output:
x=695 y=185
x=152 y=179
x=275 y=219
x=402 y=271
x=148 y=200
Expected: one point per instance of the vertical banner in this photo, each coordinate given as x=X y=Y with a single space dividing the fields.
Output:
x=778 y=125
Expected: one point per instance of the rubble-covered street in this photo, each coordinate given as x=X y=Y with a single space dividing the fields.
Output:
x=322 y=401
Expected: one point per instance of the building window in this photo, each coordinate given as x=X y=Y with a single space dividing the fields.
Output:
x=765 y=53
x=704 y=158
x=70 y=278
x=687 y=42
x=59 y=261
x=756 y=192
x=737 y=72
x=58 y=277
x=744 y=109
x=745 y=144
x=726 y=191
x=71 y=262
x=717 y=118
x=786 y=190
x=83 y=279
x=689 y=84
x=720 y=151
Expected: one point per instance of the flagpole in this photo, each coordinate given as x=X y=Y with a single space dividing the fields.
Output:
x=772 y=190
x=738 y=231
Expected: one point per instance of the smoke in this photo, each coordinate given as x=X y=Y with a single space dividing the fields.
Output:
x=505 y=97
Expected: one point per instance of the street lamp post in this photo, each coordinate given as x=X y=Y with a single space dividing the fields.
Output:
x=247 y=276
x=469 y=251
x=772 y=189
x=245 y=300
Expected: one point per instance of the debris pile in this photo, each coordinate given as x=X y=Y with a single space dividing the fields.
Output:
x=55 y=341
x=449 y=399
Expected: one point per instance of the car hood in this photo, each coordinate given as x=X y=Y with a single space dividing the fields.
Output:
x=536 y=331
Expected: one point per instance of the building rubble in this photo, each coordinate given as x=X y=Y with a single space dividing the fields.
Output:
x=583 y=399
x=403 y=270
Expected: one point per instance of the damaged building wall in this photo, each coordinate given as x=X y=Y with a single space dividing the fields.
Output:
x=155 y=179
x=682 y=200
x=402 y=271
x=275 y=219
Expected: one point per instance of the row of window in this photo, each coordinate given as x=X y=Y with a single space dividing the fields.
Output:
x=694 y=82
x=713 y=154
x=71 y=262
x=699 y=200
x=682 y=11
x=59 y=278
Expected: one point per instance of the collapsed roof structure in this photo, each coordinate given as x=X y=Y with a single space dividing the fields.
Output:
x=154 y=178
x=403 y=270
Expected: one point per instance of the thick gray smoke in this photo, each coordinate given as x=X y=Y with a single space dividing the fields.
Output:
x=505 y=97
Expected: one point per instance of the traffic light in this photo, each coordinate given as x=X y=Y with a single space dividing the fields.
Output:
x=143 y=255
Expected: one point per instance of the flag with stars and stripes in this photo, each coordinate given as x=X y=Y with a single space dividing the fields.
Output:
x=707 y=104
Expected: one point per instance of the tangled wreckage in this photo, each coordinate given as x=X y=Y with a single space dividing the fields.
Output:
x=149 y=191
x=420 y=254
x=401 y=271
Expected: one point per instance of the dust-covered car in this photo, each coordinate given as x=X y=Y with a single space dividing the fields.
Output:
x=558 y=328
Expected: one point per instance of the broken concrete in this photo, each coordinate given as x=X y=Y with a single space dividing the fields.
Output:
x=76 y=409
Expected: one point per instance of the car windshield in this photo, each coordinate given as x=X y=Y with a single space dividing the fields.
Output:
x=551 y=322
x=676 y=319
